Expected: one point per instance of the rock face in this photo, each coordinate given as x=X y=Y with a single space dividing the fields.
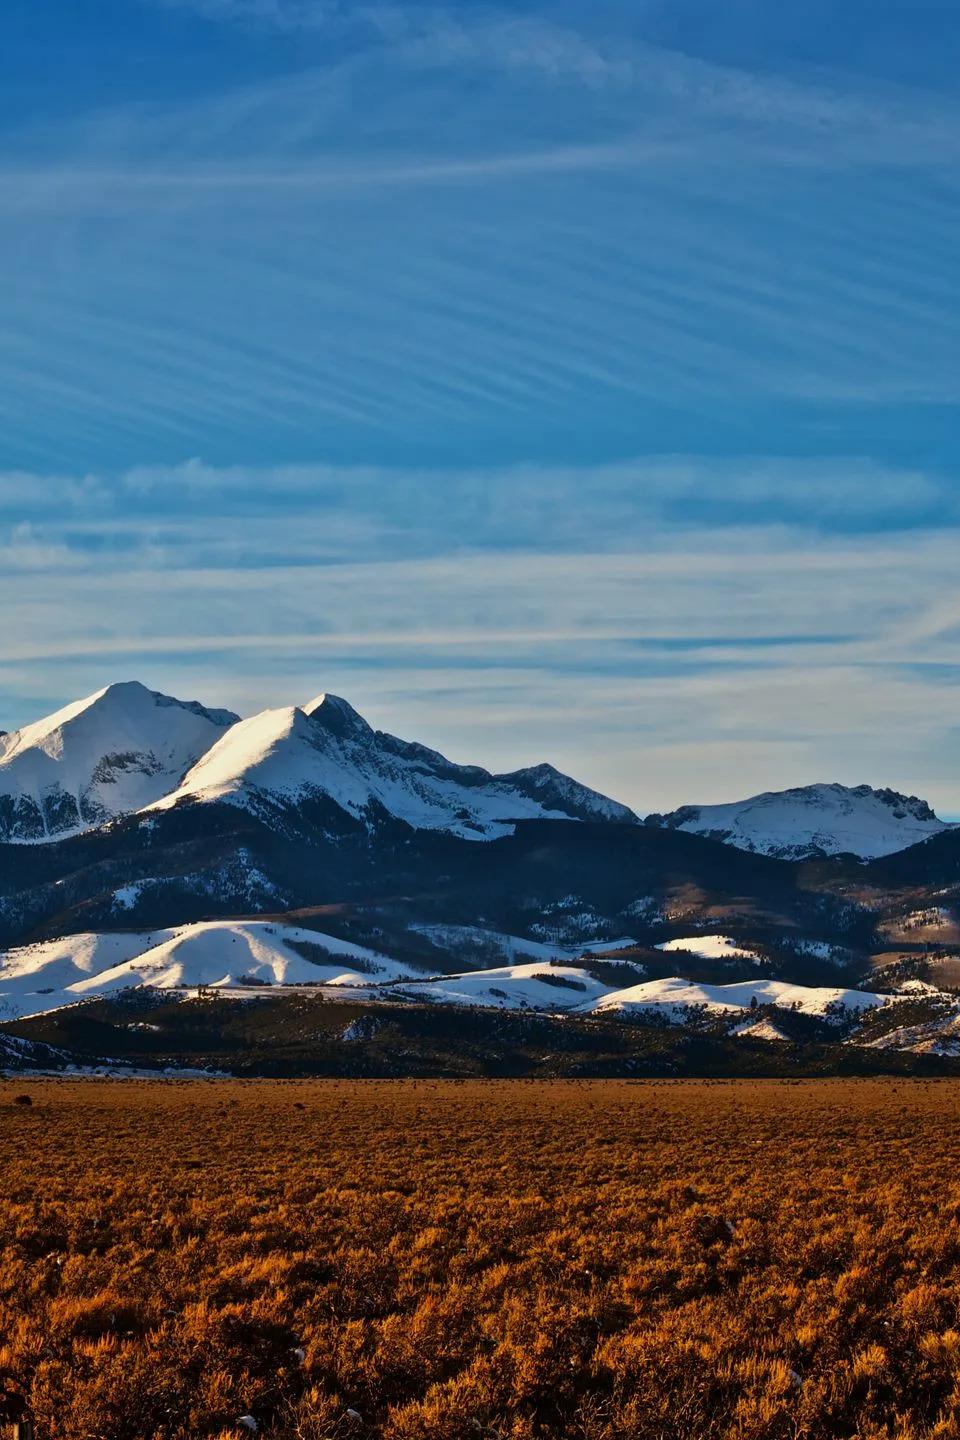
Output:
x=812 y=821
x=101 y=757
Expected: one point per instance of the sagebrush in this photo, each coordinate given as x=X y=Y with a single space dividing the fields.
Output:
x=440 y=1260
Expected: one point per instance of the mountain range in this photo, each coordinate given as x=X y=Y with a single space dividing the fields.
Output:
x=126 y=749
x=149 y=844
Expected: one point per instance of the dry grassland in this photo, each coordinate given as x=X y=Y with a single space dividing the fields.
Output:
x=444 y=1261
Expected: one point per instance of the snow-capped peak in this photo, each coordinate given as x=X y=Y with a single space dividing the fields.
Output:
x=103 y=756
x=283 y=760
x=337 y=715
x=813 y=820
x=261 y=751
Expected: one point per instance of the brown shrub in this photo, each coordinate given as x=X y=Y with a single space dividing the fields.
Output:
x=424 y=1261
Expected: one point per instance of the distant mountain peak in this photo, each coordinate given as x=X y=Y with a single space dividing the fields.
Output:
x=338 y=716
x=94 y=759
x=902 y=805
x=125 y=700
x=807 y=821
x=281 y=761
x=542 y=771
x=127 y=748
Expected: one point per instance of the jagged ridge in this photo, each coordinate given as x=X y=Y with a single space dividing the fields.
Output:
x=284 y=759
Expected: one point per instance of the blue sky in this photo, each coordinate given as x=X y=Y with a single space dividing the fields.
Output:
x=574 y=381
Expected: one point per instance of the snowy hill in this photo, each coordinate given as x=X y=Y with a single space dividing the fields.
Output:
x=242 y=958
x=576 y=986
x=675 y=997
x=48 y=975
x=812 y=820
x=247 y=960
x=532 y=986
x=709 y=947
x=281 y=761
x=98 y=758
x=42 y=976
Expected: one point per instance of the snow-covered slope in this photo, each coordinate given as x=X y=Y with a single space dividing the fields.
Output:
x=674 y=997
x=938 y=1035
x=244 y=957
x=533 y=986
x=98 y=758
x=710 y=947
x=813 y=820
x=282 y=760
x=43 y=977
x=475 y=947
x=36 y=977
x=763 y=1029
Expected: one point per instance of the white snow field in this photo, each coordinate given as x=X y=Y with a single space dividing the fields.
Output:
x=814 y=820
x=40 y=977
x=673 y=997
x=218 y=953
x=327 y=751
x=530 y=986
x=711 y=947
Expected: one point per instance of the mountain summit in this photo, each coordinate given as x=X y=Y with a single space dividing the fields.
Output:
x=281 y=762
x=811 y=821
x=322 y=769
x=113 y=752
x=126 y=749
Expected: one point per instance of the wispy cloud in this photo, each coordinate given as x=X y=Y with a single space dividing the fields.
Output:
x=649 y=634
x=531 y=39
x=632 y=374
x=478 y=233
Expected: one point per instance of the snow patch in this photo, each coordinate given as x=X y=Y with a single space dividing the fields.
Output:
x=763 y=1029
x=711 y=947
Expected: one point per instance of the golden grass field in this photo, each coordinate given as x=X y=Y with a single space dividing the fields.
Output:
x=440 y=1261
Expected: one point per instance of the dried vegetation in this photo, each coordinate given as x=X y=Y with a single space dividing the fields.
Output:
x=434 y=1260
